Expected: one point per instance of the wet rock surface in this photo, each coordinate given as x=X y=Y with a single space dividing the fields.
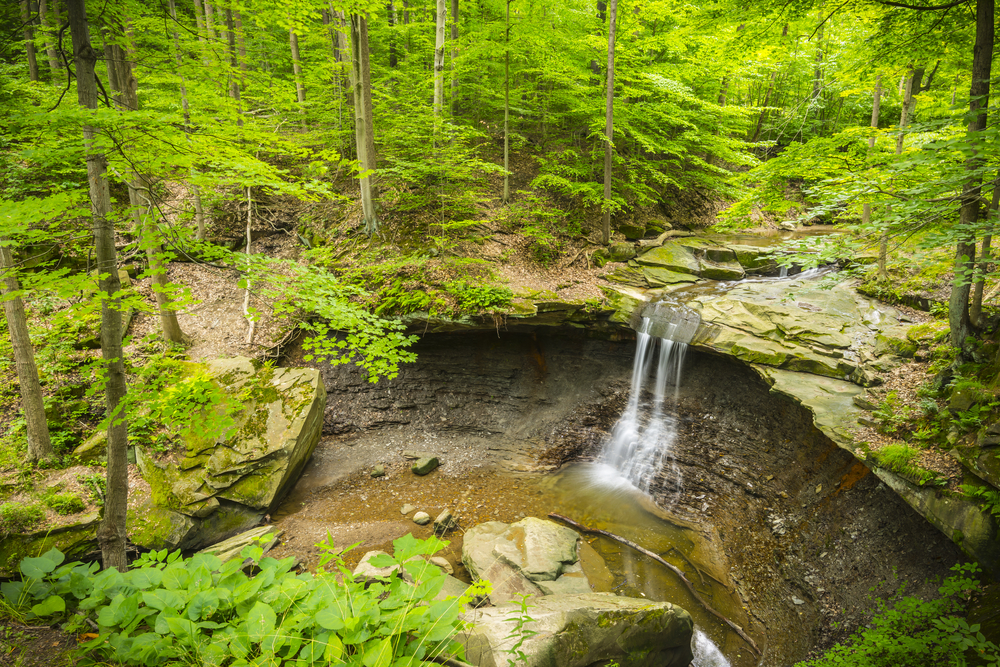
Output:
x=521 y=404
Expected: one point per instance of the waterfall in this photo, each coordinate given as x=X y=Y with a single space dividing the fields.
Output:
x=641 y=442
x=706 y=654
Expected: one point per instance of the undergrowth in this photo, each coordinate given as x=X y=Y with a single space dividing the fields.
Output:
x=919 y=633
x=170 y=610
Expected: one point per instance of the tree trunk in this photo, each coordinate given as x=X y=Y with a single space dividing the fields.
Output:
x=234 y=66
x=29 y=40
x=199 y=20
x=982 y=60
x=866 y=210
x=300 y=90
x=111 y=534
x=210 y=22
x=506 y=108
x=55 y=66
x=976 y=310
x=454 y=53
x=361 y=85
x=241 y=49
x=199 y=210
x=39 y=444
x=609 y=124
x=909 y=104
x=390 y=13
x=440 y=24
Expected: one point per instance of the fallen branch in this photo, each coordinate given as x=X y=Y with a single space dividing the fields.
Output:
x=674 y=569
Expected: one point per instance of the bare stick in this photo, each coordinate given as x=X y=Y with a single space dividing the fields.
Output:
x=246 y=297
x=674 y=569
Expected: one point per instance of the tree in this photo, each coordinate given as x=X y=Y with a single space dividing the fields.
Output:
x=439 y=32
x=111 y=534
x=965 y=249
x=363 y=124
x=609 y=124
x=29 y=39
x=39 y=443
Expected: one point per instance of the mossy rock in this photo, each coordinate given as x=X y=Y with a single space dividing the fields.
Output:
x=74 y=540
x=633 y=232
x=754 y=259
x=721 y=270
x=629 y=275
x=94 y=449
x=154 y=527
x=895 y=342
x=674 y=256
x=246 y=468
x=624 y=302
x=657 y=277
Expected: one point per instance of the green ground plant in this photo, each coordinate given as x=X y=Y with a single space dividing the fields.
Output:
x=170 y=610
x=919 y=633
x=18 y=517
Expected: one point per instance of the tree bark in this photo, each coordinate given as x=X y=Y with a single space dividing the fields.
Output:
x=111 y=535
x=300 y=90
x=361 y=85
x=39 y=443
x=454 y=53
x=210 y=22
x=29 y=40
x=506 y=107
x=55 y=66
x=609 y=124
x=234 y=66
x=199 y=210
x=199 y=20
x=976 y=309
x=965 y=250
x=440 y=24
x=866 y=209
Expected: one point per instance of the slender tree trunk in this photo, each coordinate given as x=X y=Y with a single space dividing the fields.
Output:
x=300 y=90
x=234 y=66
x=199 y=210
x=29 y=40
x=866 y=210
x=976 y=309
x=241 y=48
x=982 y=60
x=210 y=22
x=39 y=444
x=199 y=20
x=609 y=124
x=390 y=12
x=55 y=66
x=250 y=317
x=111 y=534
x=440 y=24
x=454 y=53
x=361 y=85
x=506 y=107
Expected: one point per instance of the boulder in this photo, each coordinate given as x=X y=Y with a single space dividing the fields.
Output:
x=94 y=448
x=673 y=256
x=579 y=631
x=425 y=465
x=224 y=483
x=445 y=522
x=530 y=557
x=75 y=540
x=421 y=518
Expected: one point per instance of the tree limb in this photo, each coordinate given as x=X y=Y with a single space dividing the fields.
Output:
x=674 y=569
x=921 y=7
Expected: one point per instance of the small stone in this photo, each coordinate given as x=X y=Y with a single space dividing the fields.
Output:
x=797 y=601
x=819 y=488
x=378 y=471
x=443 y=564
x=425 y=465
x=421 y=518
x=406 y=509
x=769 y=477
x=864 y=403
x=444 y=523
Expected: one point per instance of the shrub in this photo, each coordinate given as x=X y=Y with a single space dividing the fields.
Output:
x=65 y=503
x=19 y=517
x=918 y=633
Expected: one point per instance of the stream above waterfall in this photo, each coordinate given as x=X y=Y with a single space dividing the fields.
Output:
x=770 y=507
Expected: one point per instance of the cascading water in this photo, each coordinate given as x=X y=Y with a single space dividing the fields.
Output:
x=641 y=441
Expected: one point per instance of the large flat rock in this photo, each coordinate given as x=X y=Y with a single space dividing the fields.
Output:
x=580 y=631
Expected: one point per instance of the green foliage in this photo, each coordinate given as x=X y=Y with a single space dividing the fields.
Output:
x=62 y=503
x=988 y=496
x=919 y=633
x=200 y=610
x=96 y=485
x=476 y=298
x=18 y=517
x=901 y=459
x=520 y=634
